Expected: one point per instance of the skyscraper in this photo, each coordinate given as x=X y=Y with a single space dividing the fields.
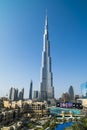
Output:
x=46 y=85
x=30 y=91
x=71 y=93
x=36 y=94
x=13 y=95
x=21 y=94
x=84 y=90
x=16 y=94
x=65 y=97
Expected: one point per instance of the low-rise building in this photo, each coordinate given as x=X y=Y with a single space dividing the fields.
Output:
x=35 y=108
x=8 y=116
x=83 y=101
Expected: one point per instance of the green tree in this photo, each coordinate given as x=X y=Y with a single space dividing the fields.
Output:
x=46 y=124
x=52 y=126
x=80 y=125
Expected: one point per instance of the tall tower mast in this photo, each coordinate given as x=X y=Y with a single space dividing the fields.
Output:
x=46 y=85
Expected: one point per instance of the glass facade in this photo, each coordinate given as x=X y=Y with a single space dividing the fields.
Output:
x=84 y=90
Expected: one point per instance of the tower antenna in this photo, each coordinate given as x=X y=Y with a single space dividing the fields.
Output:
x=46 y=11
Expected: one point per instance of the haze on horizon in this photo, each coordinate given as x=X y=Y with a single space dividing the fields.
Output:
x=21 y=41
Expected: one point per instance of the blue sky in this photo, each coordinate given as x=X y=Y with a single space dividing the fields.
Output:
x=21 y=41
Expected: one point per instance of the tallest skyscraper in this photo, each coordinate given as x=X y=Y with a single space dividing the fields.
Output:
x=46 y=84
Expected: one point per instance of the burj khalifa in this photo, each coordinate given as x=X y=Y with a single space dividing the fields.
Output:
x=46 y=83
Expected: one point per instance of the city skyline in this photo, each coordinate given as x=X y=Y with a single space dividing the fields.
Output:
x=21 y=41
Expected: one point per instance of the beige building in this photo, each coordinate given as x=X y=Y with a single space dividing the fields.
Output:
x=13 y=104
x=82 y=101
x=35 y=108
x=27 y=107
x=7 y=104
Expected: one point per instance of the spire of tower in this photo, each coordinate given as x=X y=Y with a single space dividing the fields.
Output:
x=46 y=17
x=46 y=27
x=46 y=24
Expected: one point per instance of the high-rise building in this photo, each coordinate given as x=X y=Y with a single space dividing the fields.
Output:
x=84 y=90
x=13 y=95
x=10 y=93
x=65 y=97
x=46 y=84
x=71 y=93
x=16 y=94
x=30 y=91
x=36 y=94
x=21 y=94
